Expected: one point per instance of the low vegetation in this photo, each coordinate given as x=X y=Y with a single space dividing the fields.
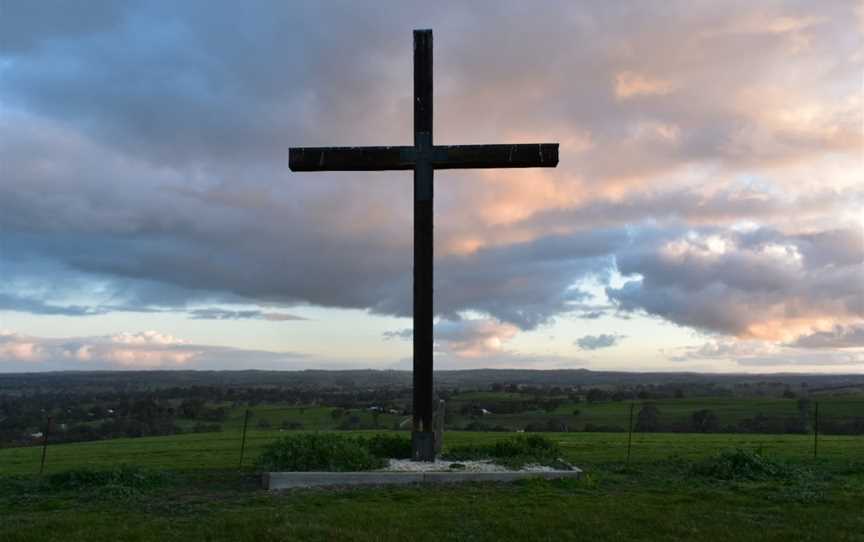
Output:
x=129 y=478
x=332 y=452
x=514 y=452
x=741 y=464
x=318 y=452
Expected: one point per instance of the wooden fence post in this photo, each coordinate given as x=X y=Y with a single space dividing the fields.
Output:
x=243 y=438
x=816 y=431
x=44 y=446
x=630 y=433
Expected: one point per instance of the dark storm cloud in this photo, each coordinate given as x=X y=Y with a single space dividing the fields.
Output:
x=527 y=284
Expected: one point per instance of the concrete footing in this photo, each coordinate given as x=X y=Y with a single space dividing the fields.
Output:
x=288 y=480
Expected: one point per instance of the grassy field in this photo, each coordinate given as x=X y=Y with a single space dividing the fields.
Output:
x=222 y=450
x=201 y=495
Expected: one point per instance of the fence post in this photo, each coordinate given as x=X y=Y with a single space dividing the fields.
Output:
x=44 y=446
x=243 y=438
x=629 y=434
x=816 y=430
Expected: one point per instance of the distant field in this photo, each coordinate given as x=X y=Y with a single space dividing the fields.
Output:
x=222 y=450
x=607 y=414
x=615 y=414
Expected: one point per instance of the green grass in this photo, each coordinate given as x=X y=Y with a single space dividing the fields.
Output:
x=196 y=493
x=222 y=450
x=613 y=508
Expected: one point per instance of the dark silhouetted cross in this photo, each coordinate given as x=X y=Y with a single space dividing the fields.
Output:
x=424 y=158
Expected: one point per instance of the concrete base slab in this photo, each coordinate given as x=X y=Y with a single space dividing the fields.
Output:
x=288 y=480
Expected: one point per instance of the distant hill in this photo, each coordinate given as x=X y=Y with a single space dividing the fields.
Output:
x=18 y=383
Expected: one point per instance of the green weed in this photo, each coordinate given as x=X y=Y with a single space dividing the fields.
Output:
x=742 y=464
x=319 y=452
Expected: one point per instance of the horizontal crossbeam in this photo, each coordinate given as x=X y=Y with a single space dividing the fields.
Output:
x=495 y=156
x=441 y=157
x=350 y=158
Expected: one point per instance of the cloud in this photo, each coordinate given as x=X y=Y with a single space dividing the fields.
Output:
x=757 y=353
x=760 y=284
x=135 y=350
x=596 y=342
x=466 y=338
x=629 y=84
x=143 y=350
x=223 y=314
x=473 y=338
x=11 y=302
x=526 y=284
x=838 y=337
x=404 y=334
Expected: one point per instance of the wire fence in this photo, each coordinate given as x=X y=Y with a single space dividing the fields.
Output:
x=628 y=432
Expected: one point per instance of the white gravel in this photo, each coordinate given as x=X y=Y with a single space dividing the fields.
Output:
x=406 y=465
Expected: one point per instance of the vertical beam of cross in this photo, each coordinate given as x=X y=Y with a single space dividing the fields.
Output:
x=422 y=436
x=424 y=158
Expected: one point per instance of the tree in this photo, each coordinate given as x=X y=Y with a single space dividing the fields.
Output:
x=647 y=419
x=595 y=395
x=805 y=407
x=704 y=421
x=190 y=408
x=551 y=405
x=556 y=426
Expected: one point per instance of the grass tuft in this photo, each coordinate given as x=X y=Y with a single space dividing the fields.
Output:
x=388 y=445
x=123 y=477
x=742 y=464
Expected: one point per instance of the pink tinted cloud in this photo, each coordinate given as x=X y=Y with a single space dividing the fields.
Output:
x=142 y=350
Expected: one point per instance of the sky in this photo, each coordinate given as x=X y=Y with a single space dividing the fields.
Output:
x=707 y=212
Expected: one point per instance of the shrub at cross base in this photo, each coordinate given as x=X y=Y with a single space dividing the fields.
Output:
x=332 y=452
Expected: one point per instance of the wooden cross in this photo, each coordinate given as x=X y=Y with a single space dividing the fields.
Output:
x=424 y=158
